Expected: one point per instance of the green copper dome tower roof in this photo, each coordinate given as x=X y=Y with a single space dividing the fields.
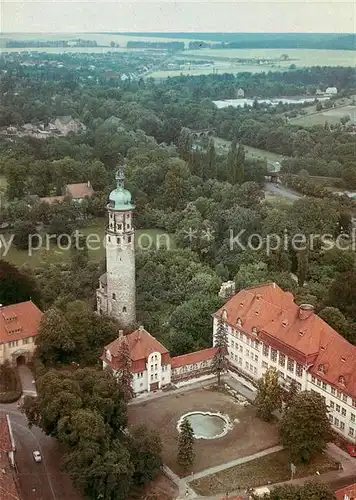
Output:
x=120 y=198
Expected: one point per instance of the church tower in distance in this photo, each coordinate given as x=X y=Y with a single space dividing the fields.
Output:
x=116 y=295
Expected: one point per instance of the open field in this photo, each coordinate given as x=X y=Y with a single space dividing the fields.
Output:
x=222 y=145
x=248 y=436
x=145 y=239
x=100 y=38
x=332 y=116
x=273 y=468
x=300 y=57
x=219 y=67
x=224 y=60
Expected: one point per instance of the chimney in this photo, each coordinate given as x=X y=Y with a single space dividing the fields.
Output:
x=305 y=310
x=140 y=328
x=121 y=333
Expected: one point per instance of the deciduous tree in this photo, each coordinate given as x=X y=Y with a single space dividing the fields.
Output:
x=269 y=395
x=305 y=427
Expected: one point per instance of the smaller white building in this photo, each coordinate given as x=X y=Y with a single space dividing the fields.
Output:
x=150 y=360
x=331 y=91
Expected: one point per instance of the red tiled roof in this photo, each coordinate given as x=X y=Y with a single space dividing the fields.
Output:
x=302 y=335
x=19 y=321
x=141 y=345
x=193 y=357
x=5 y=439
x=79 y=190
x=350 y=491
x=52 y=199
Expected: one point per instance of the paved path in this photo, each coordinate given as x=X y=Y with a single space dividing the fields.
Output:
x=26 y=377
x=161 y=394
x=237 y=461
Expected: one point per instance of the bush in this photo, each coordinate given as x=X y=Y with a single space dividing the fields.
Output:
x=10 y=397
x=10 y=384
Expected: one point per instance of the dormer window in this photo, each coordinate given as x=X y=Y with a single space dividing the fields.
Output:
x=224 y=314
x=254 y=329
x=284 y=323
x=321 y=369
x=238 y=322
x=342 y=380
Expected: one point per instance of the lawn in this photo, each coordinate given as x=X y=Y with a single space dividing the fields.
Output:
x=50 y=253
x=332 y=116
x=300 y=57
x=222 y=145
x=271 y=469
x=247 y=436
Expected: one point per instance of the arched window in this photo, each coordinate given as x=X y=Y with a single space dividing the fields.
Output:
x=321 y=368
x=342 y=380
x=114 y=296
x=118 y=241
x=124 y=309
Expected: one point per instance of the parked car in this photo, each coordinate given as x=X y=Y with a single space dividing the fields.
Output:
x=37 y=456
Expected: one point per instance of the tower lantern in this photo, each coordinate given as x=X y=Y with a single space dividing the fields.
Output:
x=116 y=295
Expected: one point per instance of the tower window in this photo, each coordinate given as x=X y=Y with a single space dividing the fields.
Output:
x=119 y=226
x=114 y=296
x=109 y=239
x=129 y=239
x=124 y=309
x=111 y=225
x=118 y=241
x=127 y=226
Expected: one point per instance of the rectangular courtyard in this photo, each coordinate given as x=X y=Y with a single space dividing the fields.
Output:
x=248 y=435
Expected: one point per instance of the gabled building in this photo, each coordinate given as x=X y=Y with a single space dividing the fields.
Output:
x=266 y=328
x=74 y=192
x=151 y=364
x=150 y=360
x=347 y=493
x=18 y=329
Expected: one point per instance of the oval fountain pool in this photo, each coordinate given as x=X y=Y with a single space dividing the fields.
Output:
x=207 y=425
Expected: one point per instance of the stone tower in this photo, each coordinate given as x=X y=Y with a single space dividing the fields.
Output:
x=116 y=295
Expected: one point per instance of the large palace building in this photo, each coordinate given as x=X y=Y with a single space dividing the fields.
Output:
x=266 y=328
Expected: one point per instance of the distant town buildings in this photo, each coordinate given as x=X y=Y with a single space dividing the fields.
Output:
x=61 y=126
x=74 y=192
x=18 y=328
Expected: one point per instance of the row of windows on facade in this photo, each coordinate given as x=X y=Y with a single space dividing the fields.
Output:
x=281 y=375
x=118 y=226
x=282 y=358
x=245 y=338
x=185 y=368
x=333 y=391
x=15 y=343
x=118 y=240
x=341 y=425
x=291 y=364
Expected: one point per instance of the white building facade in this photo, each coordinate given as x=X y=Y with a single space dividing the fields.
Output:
x=258 y=344
x=116 y=295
